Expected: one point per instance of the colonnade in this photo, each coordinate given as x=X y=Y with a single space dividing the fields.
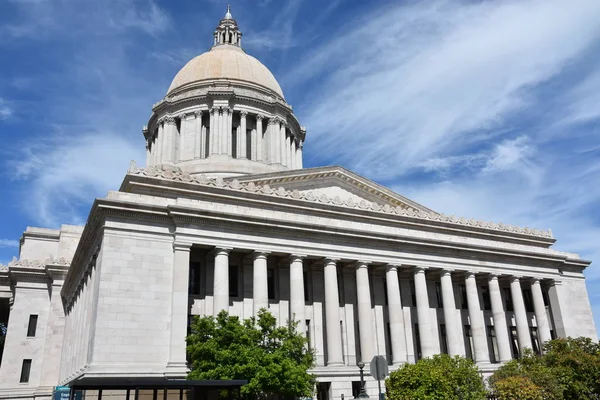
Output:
x=193 y=135
x=397 y=330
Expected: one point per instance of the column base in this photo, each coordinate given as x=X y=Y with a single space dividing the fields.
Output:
x=176 y=370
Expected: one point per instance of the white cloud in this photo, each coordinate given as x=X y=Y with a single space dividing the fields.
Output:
x=8 y=243
x=63 y=174
x=5 y=110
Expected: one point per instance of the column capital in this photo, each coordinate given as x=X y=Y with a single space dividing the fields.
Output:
x=198 y=113
x=419 y=270
x=554 y=282
x=392 y=267
x=362 y=263
x=516 y=278
x=447 y=271
x=182 y=246
x=296 y=256
x=260 y=254
x=259 y=117
x=185 y=114
x=330 y=260
x=221 y=250
x=535 y=281
x=168 y=119
x=470 y=274
x=243 y=113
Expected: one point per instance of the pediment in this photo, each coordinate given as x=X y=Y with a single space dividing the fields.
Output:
x=334 y=182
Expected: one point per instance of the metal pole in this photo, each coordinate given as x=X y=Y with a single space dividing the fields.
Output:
x=378 y=380
x=363 y=393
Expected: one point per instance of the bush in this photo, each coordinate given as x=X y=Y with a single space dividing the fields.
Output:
x=517 y=388
x=440 y=377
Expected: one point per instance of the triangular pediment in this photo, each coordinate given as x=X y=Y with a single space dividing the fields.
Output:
x=333 y=182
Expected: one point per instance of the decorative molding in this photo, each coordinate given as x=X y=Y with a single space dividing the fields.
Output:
x=169 y=120
x=176 y=174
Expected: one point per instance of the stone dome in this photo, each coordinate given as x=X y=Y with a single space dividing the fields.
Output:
x=228 y=62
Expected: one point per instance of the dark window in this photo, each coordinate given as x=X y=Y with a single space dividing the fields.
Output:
x=355 y=389
x=463 y=297
x=552 y=334
x=438 y=294
x=493 y=344
x=32 y=327
x=385 y=292
x=418 y=342
x=413 y=294
x=234 y=143
x=248 y=144
x=487 y=303
x=233 y=281
x=508 y=299
x=194 y=287
x=388 y=341
x=535 y=343
x=546 y=298
x=468 y=341
x=271 y=284
x=528 y=299
x=514 y=342
x=443 y=339
x=308 y=332
x=306 y=291
x=25 y=370
x=207 y=143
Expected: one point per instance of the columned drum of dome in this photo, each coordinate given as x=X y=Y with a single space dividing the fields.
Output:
x=224 y=115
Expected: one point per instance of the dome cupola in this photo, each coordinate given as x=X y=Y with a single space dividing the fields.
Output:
x=224 y=115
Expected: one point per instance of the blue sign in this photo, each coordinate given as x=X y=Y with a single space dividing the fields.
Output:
x=63 y=392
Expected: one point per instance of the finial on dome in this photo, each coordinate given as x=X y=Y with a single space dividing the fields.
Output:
x=228 y=14
x=227 y=31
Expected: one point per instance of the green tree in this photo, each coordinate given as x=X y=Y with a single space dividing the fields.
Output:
x=569 y=369
x=439 y=377
x=274 y=360
x=518 y=388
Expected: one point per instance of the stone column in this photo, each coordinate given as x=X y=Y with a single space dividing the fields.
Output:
x=221 y=281
x=176 y=365
x=452 y=332
x=423 y=312
x=229 y=130
x=214 y=131
x=242 y=145
x=481 y=353
x=183 y=136
x=259 y=139
x=520 y=314
x=260 y=290
x=222 y=129
x=332 y=314
x=199 y=136
x=271 y=140
x=396 y=316
x=297 y=301
x=541 y=317
x=504 y=350
x=299 y=155
x=160 y=138
x=282 y=144
x=365 y=312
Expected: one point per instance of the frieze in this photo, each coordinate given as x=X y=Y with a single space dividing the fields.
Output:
x=176 y=174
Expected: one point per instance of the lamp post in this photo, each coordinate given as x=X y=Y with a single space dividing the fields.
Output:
x=363 y=393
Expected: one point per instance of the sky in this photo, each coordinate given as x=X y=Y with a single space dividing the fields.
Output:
x=481 y=109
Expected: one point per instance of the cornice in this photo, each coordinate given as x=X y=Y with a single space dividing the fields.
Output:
x=176 y=174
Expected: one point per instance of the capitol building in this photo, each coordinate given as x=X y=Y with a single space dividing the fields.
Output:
x=223 y=216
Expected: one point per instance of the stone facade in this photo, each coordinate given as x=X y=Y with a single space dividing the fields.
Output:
x=364 y=270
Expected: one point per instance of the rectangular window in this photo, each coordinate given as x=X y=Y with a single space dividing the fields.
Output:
x=443 y=339
x=25 y=370
x=528 y=299
x=438 y=294
x=271 y=284
x=234 y=290
x=306 y=291
x=413 y=293
x=493 y=344
x=468 y=341
x=234 y=143
x=385 y=292
x=32 y=327
x=508 y=299
x=417 y=342
x=535 y=342
x=463 y=297
x=487 y=301
x=207 y=143
x=248 y=144
x=194 y=287
x=514 y=342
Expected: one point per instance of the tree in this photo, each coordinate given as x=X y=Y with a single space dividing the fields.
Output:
x=568 y=369
x=274 y=360
x=518 y=388
x=439 y=377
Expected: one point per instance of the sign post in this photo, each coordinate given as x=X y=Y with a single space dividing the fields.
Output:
x=379 y=370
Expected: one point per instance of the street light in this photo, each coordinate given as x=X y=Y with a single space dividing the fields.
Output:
x=362 y=394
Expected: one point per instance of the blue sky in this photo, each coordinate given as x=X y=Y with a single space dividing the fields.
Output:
x=482 y=109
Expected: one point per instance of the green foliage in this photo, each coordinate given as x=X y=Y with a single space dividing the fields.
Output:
x=440 y=377
x=569 y=369
x=518 y=388
x=274 y=360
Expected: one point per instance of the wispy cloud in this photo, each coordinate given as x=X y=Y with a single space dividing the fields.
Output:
x=9 y=243
x=5 y=110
